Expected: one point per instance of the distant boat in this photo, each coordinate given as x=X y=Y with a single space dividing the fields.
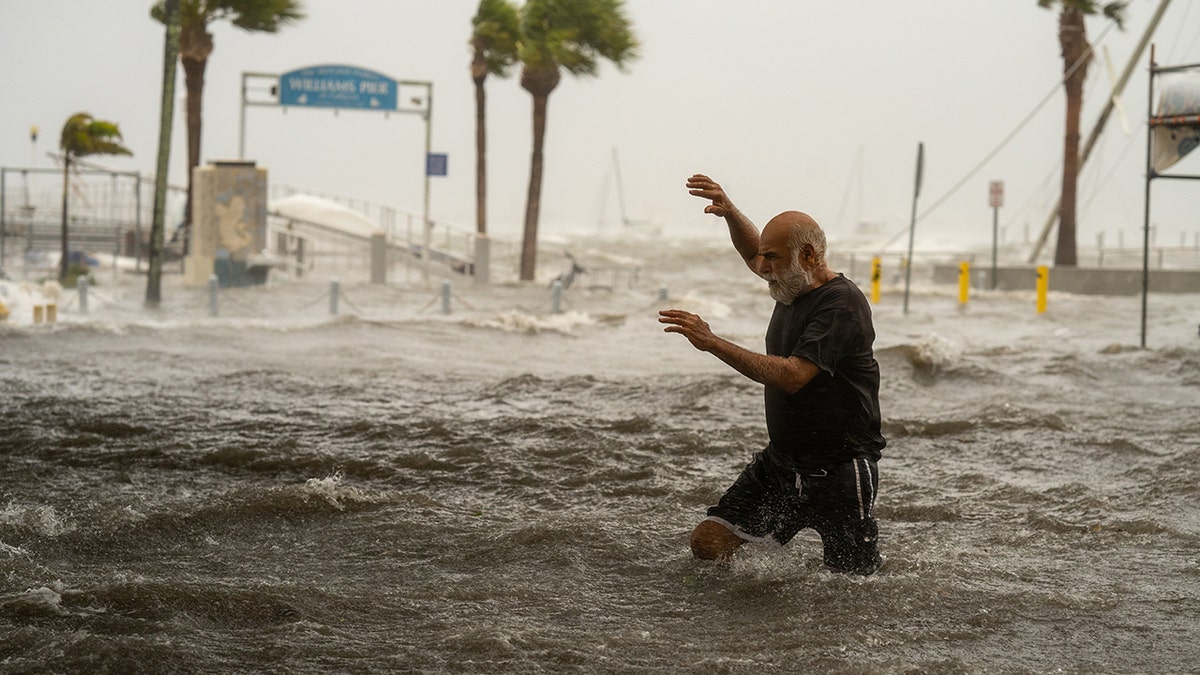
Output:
x=643 y=227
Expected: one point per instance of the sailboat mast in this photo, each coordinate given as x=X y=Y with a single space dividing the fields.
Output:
x=620 y=187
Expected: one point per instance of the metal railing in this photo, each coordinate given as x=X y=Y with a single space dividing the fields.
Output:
x=448 y=242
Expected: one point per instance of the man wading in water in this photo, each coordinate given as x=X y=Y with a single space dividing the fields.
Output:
x=822 y=398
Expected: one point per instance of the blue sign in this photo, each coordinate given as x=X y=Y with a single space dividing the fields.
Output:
x=337 y=87
x=436 y=164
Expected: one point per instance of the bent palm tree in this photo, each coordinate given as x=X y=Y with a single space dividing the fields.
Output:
x=196 y=44
x=571 y=35
x=1076 y=53
x=496 y=30
x=82 y=136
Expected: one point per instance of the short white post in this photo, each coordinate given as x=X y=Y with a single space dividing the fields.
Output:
x=556 y=297
x=212 y=295
x=81 y=285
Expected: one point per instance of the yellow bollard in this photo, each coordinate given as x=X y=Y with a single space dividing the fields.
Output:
x=1043 y=284
x=38 y=313
x=876 y=277
x=964 y=282
x=51 y=312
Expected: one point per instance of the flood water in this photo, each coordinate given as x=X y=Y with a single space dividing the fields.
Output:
x=506 y=489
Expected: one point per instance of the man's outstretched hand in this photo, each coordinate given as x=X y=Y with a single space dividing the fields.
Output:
x=707 y=188
x=690 y=326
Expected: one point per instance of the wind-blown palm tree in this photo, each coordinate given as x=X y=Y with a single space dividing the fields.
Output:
x=81 y=136
x=496 y=30
x=557 y=35
x=196 y=44
x=1077 y=55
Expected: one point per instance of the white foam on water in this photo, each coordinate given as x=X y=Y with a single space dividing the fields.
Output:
x=517 y=321
x=13 y=551
x=330 y=489
x=936 y=352
x=43 y=520
x=702 y=305
x=41 y=598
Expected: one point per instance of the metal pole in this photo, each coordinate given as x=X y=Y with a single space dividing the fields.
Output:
x=1146 y=199
x=995 y=241
x=425 y=208
x=242 y=123
x=3 y=221
x=137 y=226
x=167 y=111
x=913 y=221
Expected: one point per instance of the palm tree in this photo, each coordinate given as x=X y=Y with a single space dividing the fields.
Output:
x=196 y=44
x=82 y=136
x=558 y=35
x=1077 y=54
x=496 y=30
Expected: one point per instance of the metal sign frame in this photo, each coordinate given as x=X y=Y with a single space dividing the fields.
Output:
x=266 y=90
x=1153 y=121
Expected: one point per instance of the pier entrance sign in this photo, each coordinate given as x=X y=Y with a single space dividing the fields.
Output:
x=338 y=87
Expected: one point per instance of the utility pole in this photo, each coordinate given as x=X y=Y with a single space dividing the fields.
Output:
x=170 y=58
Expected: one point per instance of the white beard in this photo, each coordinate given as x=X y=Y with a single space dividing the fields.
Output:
x=794 y=282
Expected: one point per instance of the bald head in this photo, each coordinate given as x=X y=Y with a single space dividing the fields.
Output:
x=799 y=233
x=791 y=256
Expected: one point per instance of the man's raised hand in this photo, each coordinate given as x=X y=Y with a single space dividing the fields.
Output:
x=690 y=326
x=707 y=188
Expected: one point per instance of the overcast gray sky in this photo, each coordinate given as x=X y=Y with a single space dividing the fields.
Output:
x=817 y=106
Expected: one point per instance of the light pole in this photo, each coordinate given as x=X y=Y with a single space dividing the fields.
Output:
x=33 y=134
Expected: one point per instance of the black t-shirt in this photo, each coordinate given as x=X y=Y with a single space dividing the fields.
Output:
x=835 y=417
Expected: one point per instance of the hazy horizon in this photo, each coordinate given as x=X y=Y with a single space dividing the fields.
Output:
x=812 y=106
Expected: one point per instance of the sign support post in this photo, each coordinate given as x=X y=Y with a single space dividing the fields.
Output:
x=995 y=200
x=425 y=205
x=913 y=224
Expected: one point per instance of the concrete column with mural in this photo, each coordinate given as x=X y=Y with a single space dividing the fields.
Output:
x=229 y=225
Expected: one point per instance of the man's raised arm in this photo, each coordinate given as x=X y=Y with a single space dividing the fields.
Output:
x=741 y=231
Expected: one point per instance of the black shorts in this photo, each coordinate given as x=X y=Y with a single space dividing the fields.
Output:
x=768 y=500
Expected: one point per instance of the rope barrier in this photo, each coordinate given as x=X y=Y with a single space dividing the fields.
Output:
x=357 y=310
x=237 y=303
x=214 y=300
x=464 y=302
x=429 y=304
x=324 y=295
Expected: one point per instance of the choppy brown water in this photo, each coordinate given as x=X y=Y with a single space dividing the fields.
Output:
x=501 y=489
